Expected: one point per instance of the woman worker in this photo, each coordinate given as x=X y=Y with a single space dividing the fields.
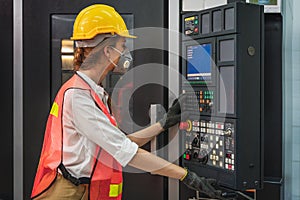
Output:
x=84 y=151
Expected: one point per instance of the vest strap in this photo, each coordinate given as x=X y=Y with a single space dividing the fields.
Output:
x=72 y=179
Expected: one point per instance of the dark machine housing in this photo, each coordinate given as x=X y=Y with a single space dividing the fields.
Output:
x=223 y=63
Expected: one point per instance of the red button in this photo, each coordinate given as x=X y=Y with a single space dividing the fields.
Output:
x=196 y=30
x=183 y=125
x=188 y=157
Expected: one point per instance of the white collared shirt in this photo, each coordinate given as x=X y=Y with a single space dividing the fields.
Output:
x=85 y=126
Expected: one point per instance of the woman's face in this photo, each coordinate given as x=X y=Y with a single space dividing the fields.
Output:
x=113 y=55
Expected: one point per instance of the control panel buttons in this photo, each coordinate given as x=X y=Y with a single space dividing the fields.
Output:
x=219 y=125
x=196 y=123
x=209 y=142
x=195 y=142
x=183 y=125
x=221 y=153
x=229 y=160
x=187 y=155
x=201 y=100
x=203 y=139
x=195 y=155
x=191 y=25
x=228 y=132
x=186 y=125
x=203 y=157
x=204 y=146
x=221 y=164
x=221 y=143
x=196 y=129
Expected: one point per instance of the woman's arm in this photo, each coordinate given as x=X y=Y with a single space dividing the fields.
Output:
x=171 y=118
x=148 y=162
x=145 y=135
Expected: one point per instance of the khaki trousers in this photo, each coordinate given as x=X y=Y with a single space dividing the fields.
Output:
x=62 y=189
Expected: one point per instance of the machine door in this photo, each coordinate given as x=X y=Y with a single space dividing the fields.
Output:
x=6 y=118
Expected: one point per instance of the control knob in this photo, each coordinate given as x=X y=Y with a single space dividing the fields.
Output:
x=228 y=132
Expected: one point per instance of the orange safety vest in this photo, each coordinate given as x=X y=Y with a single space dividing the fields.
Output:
x=106 y=177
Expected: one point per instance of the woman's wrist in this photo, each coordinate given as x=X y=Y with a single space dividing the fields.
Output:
x=183 y=177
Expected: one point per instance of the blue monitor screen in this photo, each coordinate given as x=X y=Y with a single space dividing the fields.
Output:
x=199 y=62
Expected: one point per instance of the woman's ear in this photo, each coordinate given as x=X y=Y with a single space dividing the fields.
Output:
x=106 y=51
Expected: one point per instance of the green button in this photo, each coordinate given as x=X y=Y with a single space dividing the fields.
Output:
x=184 y=156
x=196 y=21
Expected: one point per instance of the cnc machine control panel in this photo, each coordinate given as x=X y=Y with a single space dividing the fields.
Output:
x=210 y=142
x=222 y=62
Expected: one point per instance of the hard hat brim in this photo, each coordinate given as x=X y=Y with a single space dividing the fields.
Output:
x=128 y=36
x=89 y=38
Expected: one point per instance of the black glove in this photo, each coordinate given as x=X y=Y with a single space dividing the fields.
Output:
x=203 y=185
x=173 y=115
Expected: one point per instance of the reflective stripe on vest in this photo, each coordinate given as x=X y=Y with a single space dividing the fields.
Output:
x=115 y=190
x=51 y=155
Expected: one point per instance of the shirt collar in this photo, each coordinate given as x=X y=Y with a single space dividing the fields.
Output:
x=97 y=88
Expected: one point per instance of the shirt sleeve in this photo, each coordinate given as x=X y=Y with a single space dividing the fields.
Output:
x=92 y=123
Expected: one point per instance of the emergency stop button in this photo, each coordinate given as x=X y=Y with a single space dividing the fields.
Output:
x=187 y=125
x=183 y=125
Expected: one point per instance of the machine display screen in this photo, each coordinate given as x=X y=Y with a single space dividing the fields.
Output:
x=199 y=62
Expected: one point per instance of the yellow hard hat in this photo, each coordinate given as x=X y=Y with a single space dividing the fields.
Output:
x=99 y=19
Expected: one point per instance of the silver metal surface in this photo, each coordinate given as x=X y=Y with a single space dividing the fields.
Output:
x=153 y=118
x=173 y=190
x=18 y=99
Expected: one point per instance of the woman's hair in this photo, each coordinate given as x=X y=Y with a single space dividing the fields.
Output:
x=80 y=53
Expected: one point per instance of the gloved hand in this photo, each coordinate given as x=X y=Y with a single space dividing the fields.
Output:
x=173 y=115
x=203 y=185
